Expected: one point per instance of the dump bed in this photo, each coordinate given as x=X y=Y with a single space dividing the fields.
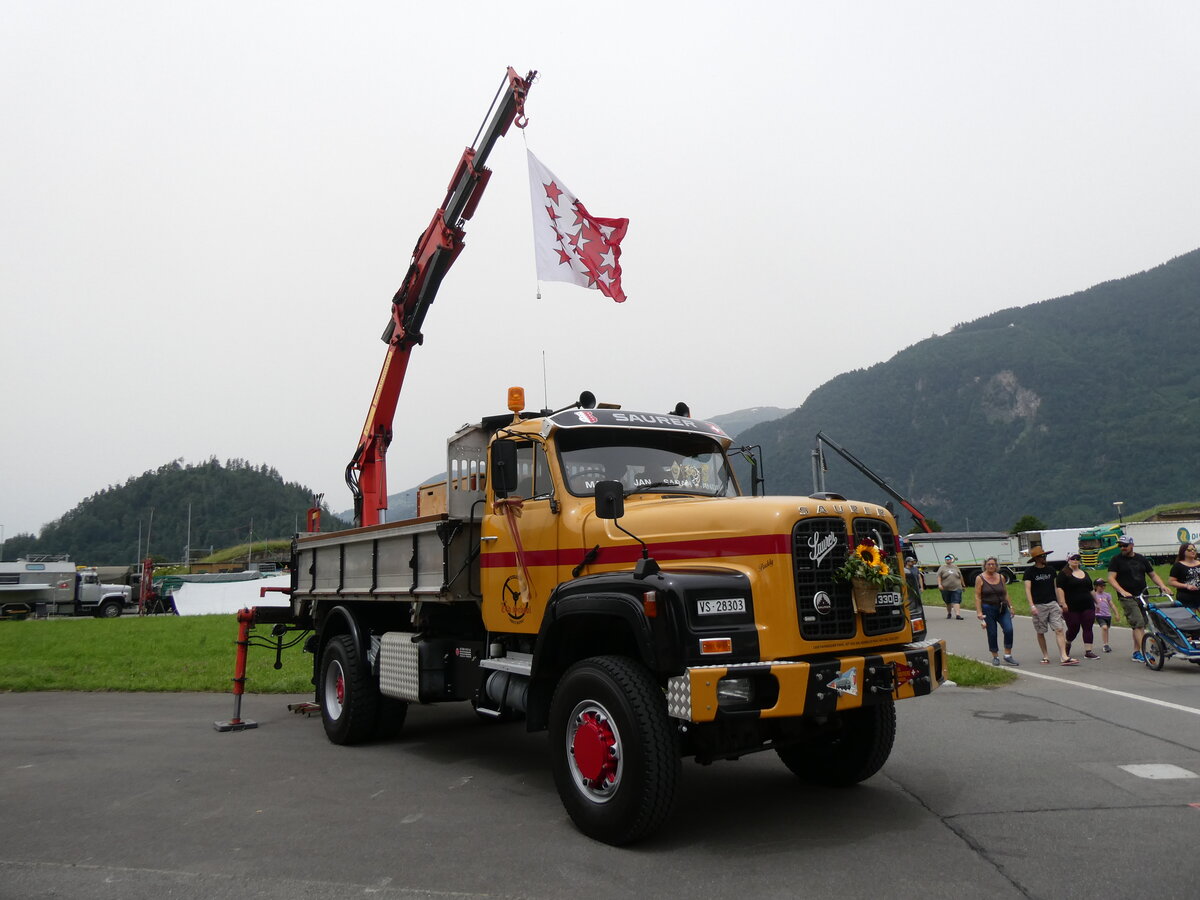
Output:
x=432 y=558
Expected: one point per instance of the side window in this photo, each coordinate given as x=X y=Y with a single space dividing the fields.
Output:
x=533 y=472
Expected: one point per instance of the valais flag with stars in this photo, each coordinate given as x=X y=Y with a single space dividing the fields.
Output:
x=569 y=243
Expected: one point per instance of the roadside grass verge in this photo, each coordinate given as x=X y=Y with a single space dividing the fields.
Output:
x=972 y=673
x=152 y=653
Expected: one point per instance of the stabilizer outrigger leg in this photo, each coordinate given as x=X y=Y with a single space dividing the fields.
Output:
x=245 y=619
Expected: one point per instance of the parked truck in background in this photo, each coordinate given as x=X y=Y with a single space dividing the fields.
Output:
x=55 y=586
x=1157 y=541
x=969 y=549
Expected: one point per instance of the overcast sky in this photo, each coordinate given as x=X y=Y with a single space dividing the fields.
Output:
x=206 y=208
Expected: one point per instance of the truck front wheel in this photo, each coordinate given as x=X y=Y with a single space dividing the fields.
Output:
x=856 y=746
x=613 y=751
x=109 y=609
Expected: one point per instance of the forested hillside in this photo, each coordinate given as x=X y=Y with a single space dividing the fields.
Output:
x=1055 y=409
x=225 y=502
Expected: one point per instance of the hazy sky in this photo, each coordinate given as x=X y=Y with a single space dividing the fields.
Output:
x=206 y=208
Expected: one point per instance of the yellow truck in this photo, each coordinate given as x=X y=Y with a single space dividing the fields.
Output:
x=598 y=573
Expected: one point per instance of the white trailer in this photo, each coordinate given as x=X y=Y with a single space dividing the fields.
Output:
x=1160 y=540
x=969 y=549
x=1059 y=543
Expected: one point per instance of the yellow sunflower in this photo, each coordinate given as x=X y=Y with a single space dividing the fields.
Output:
x=867 y=554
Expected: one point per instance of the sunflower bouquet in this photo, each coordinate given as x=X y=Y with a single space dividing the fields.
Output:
x=867 y=563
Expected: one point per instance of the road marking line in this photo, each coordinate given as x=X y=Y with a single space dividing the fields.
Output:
x=1104 y=690
x=1158 y=770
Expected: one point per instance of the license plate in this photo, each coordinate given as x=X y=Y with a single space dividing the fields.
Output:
x=887 y=598
x=721 y=607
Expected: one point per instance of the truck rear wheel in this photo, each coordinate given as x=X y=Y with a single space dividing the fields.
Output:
x=352 y=709
x=856 y=747
x=613 y=752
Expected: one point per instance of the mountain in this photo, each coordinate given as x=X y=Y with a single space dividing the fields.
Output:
x=1056 y=409
x=225 y=503
x=735 y=423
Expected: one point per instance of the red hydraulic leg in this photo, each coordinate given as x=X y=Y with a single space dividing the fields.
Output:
x=245 y=619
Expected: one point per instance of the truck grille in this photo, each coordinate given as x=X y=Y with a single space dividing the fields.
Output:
x=824 y=606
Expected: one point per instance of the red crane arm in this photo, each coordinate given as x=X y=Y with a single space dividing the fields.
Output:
x=436 y=250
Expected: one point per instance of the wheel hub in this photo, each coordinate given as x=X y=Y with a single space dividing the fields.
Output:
x=594 y=750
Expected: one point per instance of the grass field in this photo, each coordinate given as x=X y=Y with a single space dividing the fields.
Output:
x=152 y=653
x=195 y=653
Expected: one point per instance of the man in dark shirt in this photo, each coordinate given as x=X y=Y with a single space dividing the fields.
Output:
x=1044 y=606
x=1127 y=573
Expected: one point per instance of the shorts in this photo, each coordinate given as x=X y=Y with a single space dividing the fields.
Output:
x=1133 y=613
x=1047 y=617
x=1106 y=621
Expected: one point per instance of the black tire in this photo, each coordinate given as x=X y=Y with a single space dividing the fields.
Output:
x=612 y=750
x=1154 y=650
x=855 y=748
x=349 y=702
x=109 y=609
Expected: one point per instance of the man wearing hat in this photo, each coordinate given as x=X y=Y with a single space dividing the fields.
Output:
x=950 y=583
x=1127 y=573
x=1044 y=606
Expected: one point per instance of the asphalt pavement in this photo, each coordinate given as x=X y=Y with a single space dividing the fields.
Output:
x=1079 y=781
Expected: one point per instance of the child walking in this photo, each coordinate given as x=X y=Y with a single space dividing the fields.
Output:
x=1104 y=611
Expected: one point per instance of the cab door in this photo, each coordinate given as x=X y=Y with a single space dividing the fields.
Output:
x=519 y=559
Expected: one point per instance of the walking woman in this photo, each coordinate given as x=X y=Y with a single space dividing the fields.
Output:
x=993 y=609
x=1185 y=576
x=1074 y=588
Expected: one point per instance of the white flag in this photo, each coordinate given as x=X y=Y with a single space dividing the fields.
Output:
x=569 y=243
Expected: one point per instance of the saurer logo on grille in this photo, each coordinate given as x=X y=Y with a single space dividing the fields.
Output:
x=821 y=547
x=822 y=603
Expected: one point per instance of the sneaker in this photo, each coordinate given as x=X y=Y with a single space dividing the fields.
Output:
x=1011 y=661
x=959 y=618
x=1137 y=657
x=995 y=660
x=1107 y=649
x=1091 y=655
x=947 y=615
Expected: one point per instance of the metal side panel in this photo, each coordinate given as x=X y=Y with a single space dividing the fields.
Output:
x=357 y=566
x=399 y=666
x=431 y=564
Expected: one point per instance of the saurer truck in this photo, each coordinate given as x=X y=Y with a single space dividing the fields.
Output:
x=597 y=573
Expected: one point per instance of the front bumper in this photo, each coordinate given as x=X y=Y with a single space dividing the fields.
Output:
x=815 y=688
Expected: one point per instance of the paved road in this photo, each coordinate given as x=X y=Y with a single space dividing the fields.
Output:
x=1013 y=792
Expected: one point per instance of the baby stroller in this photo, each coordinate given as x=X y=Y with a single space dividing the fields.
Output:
x=1171 y=630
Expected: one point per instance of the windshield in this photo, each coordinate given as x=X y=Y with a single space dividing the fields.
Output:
x=644 y=461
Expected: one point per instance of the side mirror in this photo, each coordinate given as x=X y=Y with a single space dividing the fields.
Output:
x=503 y=468
x=610 y=499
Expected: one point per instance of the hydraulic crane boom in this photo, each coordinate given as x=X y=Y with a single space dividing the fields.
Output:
x=818 y=467
x=436 y=250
